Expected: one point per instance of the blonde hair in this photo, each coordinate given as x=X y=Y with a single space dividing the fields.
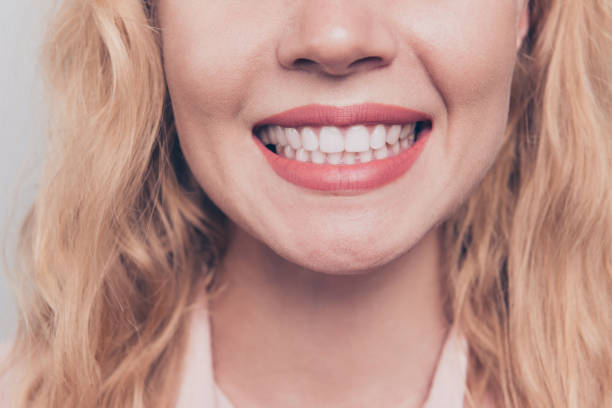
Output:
x=121 y=238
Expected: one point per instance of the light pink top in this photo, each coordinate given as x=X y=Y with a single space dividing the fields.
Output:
x=199 y=389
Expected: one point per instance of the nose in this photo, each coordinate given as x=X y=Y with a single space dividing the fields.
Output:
x=336 y=38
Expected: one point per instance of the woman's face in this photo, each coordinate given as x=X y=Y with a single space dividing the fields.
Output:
x=444 y=66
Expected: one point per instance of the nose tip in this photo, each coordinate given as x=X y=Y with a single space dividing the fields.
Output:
x=336 y=41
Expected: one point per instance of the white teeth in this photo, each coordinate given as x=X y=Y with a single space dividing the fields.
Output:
x=407 y=130
x=349 y=158
x=310 y=141
x=393 y=134
x=289 y=152
x=293 y=137
x=378 y=137
x=265 y=139
x=357 y=139
x=318 y=157
x=280 y=135
x=381 y=153
x=331 y=140
x=271 y=135
x=395 y=148
x=340 y=146
x=302 y=155
x=405 y=143
x=334 y=158
x=365 y=157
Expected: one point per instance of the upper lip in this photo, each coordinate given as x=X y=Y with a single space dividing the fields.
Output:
x=362 y=114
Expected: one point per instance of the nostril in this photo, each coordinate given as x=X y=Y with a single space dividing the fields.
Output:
x=303 y=63
x=366 y=61
x=359 y=64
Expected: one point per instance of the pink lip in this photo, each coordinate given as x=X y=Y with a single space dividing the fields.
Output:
x=344 y=178
x=364 y=114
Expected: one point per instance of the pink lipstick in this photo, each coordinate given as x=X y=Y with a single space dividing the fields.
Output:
x=365 y=114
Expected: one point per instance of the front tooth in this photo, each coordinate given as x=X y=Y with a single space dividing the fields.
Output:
x=302 y=155
x=349 y=158
x=331 y=140
x=357 y=139
x=365 y=157
x=334 y=158
x=393 y=134
x=289 y=152
x=280 y=134
x=310 y=141
x=378 y=137
x=293 y=137
x=317 y=157
x=406 y=131
x=381 y=153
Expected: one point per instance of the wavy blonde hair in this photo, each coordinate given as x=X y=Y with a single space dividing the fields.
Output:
x=121 y=238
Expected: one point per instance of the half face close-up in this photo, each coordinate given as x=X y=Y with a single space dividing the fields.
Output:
x=340 y=133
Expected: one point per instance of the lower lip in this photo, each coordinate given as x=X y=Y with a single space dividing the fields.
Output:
x=339 y=178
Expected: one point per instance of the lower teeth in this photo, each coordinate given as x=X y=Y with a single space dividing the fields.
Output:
x=343 y=158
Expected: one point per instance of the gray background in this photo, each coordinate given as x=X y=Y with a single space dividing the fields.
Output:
x=22 y=24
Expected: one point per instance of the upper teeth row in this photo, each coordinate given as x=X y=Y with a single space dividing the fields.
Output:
x=331 y=139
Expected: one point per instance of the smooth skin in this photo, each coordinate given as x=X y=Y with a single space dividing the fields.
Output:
x=335 y=299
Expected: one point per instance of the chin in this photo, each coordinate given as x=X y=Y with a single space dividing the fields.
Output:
x=356 y=256
x=346 y=244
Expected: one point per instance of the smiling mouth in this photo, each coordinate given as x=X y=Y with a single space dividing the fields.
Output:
x=341 y=145
x=353 y=148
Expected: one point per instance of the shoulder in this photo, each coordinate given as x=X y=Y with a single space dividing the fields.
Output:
x=7 y=375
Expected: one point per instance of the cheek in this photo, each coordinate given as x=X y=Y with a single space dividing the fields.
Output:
x=208 y=70
x=468 y=50
x=467 y=47
x=469 y=55
x=212 y=53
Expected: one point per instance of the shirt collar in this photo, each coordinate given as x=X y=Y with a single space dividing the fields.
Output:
x=198 y=384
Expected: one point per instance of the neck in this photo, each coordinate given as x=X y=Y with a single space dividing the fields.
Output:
x=286 y=336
